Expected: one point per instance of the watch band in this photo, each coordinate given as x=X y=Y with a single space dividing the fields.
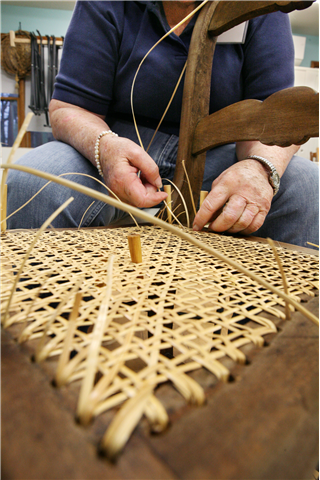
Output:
x=274 y=177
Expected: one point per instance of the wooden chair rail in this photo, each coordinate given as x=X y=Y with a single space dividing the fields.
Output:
x=229 y=14
x=279 y=120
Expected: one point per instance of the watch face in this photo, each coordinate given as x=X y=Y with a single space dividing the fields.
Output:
x=276 y=181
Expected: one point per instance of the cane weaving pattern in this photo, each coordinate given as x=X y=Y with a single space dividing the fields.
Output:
x=179 y=299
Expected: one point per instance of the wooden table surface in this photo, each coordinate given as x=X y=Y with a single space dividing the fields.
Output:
x=261 y=425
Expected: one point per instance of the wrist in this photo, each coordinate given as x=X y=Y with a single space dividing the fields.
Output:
x=273 y=175
x=97 y=149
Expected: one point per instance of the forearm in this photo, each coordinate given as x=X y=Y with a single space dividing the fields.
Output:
x=278 y=156
x=76 y=126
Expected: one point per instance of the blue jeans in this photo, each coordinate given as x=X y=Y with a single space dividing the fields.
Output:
x=293 y=217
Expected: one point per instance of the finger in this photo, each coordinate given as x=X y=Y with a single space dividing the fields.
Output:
x=246 y=219
x=257 y=222
x=143 y=195
x=212 y=203
x=230 y=214
x=149 y=169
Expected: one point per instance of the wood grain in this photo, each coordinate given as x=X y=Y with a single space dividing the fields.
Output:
x=263 y=425
x=229 y=14
x=40 y=439
x=249 y=428
x=195 y=105
x=216 y=18
x=287 y=117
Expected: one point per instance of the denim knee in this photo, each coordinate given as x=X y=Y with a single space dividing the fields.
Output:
x=56 y=158
x=294 y=213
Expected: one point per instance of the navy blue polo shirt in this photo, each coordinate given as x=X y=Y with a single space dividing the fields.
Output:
x=107 y=40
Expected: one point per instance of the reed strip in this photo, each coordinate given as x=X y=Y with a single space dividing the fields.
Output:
x=169 y=103
x=167 y=189
x=124 y=423
x=14 y=148
x=94 y=348
x=102 y=386
x=4 y=208
x=283 y=275
x=67 y=345
x=84 y=214
x=189 y=186
x=27 y=255
x=148 y=53
x=23 y=337
x=313 y=244
x=64 y=175
x=43 y=350
x=183 y=202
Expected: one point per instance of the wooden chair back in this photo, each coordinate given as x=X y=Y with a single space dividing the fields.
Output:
x=294 y=111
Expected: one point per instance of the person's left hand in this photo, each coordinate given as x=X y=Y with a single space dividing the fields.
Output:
x=239 y=200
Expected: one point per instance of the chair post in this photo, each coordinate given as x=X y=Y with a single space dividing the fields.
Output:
x=195 y=105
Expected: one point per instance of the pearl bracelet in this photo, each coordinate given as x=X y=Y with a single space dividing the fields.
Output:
x=97 y=148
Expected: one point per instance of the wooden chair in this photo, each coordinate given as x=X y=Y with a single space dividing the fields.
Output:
x=314 y=156
x=245 y=120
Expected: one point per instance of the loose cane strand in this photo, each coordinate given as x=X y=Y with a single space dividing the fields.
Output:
x=146 y=55
x=39 y=232
x=64 y=175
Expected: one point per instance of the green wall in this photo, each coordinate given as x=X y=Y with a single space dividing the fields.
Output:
x=311 y=52
x=47 y=21
x=55 y=22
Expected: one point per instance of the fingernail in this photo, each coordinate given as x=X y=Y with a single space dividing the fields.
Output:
x=158 y=182
x=196 y=227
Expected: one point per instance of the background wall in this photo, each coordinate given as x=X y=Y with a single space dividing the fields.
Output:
x=55 y=22
x=47 y=21
x=311 y=52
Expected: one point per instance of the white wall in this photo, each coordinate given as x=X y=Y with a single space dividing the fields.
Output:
x=308 y=77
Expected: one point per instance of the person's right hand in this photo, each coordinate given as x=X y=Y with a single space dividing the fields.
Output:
x=121 y=159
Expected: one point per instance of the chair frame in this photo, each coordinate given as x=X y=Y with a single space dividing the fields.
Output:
x=242 y=121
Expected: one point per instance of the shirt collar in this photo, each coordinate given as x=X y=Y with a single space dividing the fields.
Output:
x=156 y=8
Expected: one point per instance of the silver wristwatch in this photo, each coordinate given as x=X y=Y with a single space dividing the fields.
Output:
x=274 y=178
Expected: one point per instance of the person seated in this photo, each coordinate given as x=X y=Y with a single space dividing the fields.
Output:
x=96 y=140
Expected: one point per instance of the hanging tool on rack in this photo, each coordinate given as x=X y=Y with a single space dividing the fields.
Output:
x=49 y=70
x=42 y=79
x=54 y=59
x=42 y=93
x=32 y=105
x=35 y=76
x=52 y=69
